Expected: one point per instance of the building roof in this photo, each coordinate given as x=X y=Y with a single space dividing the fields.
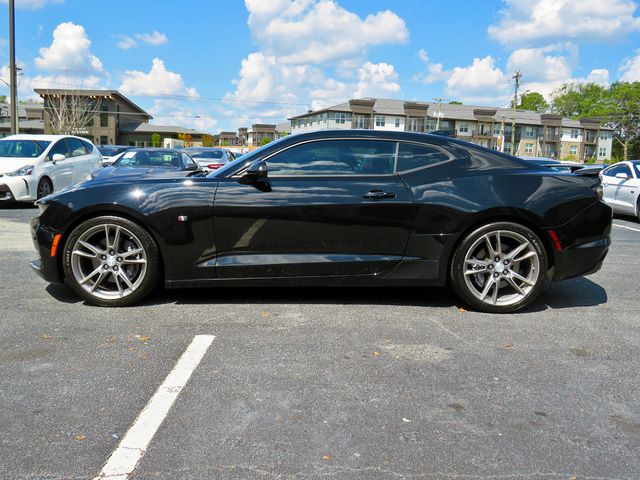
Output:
x=43 y=92
x=25 y=125
x=388 y=106
x=150 y=128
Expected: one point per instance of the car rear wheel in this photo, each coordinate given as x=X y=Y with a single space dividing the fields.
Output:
x=45 y=188
x=499 y=268
x=111 y=261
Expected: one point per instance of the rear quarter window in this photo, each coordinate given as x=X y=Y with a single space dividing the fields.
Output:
x=412 y=156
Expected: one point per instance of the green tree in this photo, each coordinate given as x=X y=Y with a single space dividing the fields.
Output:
x=208 y=140
x=156 y=140
x=533 y=101
x=264 y=141
x=455 y=102
x=3 y=99
x=580 y=100
x=624 y=115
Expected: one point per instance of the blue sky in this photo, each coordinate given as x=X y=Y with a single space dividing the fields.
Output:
x=220 y=64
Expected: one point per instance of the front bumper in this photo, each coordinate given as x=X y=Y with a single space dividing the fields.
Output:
x=19 y=189
x=585 y=242
x=46 y=266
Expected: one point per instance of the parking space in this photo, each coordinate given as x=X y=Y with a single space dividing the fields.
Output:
x=324 y=383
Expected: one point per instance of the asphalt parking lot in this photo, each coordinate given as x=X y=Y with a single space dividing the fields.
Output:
x=324 y=383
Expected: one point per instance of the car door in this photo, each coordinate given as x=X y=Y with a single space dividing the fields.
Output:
x=80 y=160
x=617 y=190
x=61 y=171
x=327 y=208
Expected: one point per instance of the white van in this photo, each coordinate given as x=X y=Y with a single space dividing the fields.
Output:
x=33 y=166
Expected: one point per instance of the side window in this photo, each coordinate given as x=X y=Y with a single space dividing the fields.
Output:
x=188 y=160
x=335 y=157
x=612 y=172
x=412 y=156
x=77 y=147
x=61 y=148
x=88 y=147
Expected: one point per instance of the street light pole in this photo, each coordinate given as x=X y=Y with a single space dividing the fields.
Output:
x=12 y=67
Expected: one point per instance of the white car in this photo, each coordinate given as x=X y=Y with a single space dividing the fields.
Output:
x=621 y=186
x=33 y=166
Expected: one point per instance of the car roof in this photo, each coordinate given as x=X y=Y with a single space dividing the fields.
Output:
x=47 y=138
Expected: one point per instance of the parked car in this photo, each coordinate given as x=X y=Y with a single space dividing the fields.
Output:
x=352 y=207
x=556 y=165
x=621 y=184
x=33 y=166
x=210 y=158
x=109 y=152
x=591 y=169
x=142 y=161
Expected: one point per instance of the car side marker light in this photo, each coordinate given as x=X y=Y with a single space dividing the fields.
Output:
x=54 y=245
x=555 y=239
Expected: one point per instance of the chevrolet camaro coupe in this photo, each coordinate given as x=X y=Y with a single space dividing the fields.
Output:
x=344 y=208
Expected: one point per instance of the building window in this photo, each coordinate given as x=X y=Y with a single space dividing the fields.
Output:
x=603 y=136
x=431 y=125
x=602 y=152
x=573 y=149
x=380 y=120
x=104 y=140
x=575 y=133
x=104 y=117
x=362 y=121
x=528 y=148
x=463 y=128
x=496 y=128
x=397 y=124
x=528 y=132
x=341 y=118
x=416 y=125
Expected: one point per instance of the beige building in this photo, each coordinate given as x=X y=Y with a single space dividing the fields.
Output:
x=536 y=135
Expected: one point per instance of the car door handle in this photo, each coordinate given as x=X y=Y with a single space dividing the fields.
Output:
x=378 y=195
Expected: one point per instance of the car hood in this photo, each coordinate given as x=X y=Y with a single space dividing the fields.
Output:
x=11 y=164
x=121 y=173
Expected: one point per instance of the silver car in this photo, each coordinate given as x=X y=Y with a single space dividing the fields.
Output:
x=621 y=185
x=210 y=158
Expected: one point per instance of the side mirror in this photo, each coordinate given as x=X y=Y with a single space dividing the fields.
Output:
x=192 y=167
x=256 y=171
x=57 y=157
x=623 y=176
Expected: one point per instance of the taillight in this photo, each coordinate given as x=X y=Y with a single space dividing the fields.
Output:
x=214 y=166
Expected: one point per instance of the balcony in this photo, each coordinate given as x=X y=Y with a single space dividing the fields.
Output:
x=481 y=133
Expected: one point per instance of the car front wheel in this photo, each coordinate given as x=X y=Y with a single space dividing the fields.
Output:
x=499 y=268
x=111 y=261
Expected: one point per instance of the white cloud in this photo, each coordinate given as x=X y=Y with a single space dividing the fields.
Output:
x=69 y=52
x=435 y=71
x=319 y=31
x=154 y=38
x=159 y=81
x=599 y=76
x=535 y=22
x=481 y=82
x=631 y=68
x=377 y=80
x=313 y=54
x=125 y=42
x=33 y=4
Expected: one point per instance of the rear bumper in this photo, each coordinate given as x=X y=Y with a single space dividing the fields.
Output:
x=585 y=242
x=46 y=266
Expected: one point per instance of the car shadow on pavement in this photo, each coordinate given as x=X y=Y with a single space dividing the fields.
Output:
x=17 y=206
x=577 y=292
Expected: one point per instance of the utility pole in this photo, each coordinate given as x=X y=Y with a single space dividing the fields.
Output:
x=438 y=112
x=12 y=67
x=517 y=78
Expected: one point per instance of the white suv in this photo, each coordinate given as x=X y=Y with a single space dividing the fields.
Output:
x=33 y=166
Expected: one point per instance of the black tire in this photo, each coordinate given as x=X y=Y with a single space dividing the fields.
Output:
x=532 y=268
x=130 y=234
x=45 y=187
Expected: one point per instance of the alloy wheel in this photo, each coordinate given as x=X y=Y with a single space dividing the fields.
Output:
x=44 y=188
x=109 y=261
x=501 y=268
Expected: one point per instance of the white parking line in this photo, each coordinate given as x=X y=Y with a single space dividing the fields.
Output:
x=132 y=447
x=628 y=228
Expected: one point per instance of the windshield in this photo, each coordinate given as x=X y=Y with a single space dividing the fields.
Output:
x=145 y=158
x=110 y=151
x=22 y=148
x=216 y=154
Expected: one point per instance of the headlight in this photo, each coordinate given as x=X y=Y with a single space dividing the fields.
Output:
x=22 y=171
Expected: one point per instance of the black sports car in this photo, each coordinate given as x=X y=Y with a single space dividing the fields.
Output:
x=352 y=207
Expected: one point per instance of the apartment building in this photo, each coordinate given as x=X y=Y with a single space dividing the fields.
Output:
x=535 y=135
